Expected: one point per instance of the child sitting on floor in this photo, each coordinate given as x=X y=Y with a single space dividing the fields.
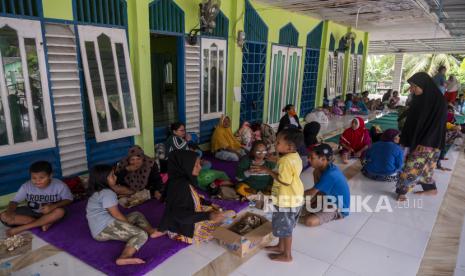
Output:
x=45 y=197
x=106 y=222
x=287 y=192
x=329 y=181
x=249 y=182
x=354 y=140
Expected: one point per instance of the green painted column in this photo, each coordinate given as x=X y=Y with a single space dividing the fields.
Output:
x=234 y=70
x=345 y=80
x=139 y=41
x=365 y=55
x=58 y=9
x=323 y=65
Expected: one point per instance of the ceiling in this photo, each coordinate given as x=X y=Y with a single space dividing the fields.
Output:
x=394 y=25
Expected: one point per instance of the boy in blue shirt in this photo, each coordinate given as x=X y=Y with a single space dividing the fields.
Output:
x=330 y=183
x=45 y=197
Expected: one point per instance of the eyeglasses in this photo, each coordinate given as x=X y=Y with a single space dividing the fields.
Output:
x=261 y=152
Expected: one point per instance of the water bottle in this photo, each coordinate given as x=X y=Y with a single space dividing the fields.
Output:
x=228 y=220
x=252 y=203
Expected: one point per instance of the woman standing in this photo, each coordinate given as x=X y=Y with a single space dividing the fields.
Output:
x=424 y=135
x=187 y=217
x=452 y=89
x=290 y=119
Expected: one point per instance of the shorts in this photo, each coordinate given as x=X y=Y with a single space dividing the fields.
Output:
x=24 y=211
x=377 y=177
x=327 y=216
x=284 y=221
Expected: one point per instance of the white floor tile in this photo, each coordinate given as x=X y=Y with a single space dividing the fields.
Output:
x=60 y=264
x=411 y=217
x=459 y=272
x=336 y=271
x=185 y=262
x=236 y=273
x=210 y=250
x=303 y=265
x=396 y=237
x=461 y=253
x=319 y=243
x=366 y=258
x=37 y=242
x=349 y=225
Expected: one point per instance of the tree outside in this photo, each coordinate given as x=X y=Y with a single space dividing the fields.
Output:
x=380 y=67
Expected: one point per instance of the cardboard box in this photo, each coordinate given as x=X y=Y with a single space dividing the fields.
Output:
x=243 y=245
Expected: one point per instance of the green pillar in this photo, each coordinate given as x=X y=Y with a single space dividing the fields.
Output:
x=365 y=55
x=323 y=65
x=139 y=41
x=234 y=70
x=346 y=69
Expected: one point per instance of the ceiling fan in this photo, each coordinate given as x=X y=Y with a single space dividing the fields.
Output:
x=209 y=10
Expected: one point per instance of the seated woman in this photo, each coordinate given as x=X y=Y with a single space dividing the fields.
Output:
x=354 y=140
x=223 y=144
x=394 y=100
x=386 y=96
x=331 y=184
x=354 y=106
x=363 y=109
x=178 y=139
x=187 y=216
x=349 y=104
x=250 y=182
x=384 y=159
x=245 y=135
x=311 y=135
x=290 y=119
x=338 y=106
x=136 y=172
x=106 y=222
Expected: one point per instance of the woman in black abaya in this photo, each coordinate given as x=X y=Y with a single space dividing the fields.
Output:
x=187 y=217
x=424 y=135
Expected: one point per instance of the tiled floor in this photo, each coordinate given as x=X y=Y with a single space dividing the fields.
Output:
x=365 y=243
x=460 y=268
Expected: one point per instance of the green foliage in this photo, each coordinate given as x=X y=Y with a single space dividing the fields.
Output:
x=414 y=63
x=379 y=68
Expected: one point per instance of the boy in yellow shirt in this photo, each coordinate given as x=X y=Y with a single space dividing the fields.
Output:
x=287 y=192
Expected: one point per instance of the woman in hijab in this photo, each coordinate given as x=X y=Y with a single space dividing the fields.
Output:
x=136 y=172
x=354 y=140
x=453 y=86
x=424 y=134
x=187 y=217
x=290 y=119
x=387 y=96
x=223 y=144
x=384 y=159
x=310 y=135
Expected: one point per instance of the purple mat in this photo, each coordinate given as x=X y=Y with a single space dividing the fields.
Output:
x=229 y=167
x=72 y=235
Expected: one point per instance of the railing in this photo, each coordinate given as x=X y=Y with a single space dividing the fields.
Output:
x=380 y=87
